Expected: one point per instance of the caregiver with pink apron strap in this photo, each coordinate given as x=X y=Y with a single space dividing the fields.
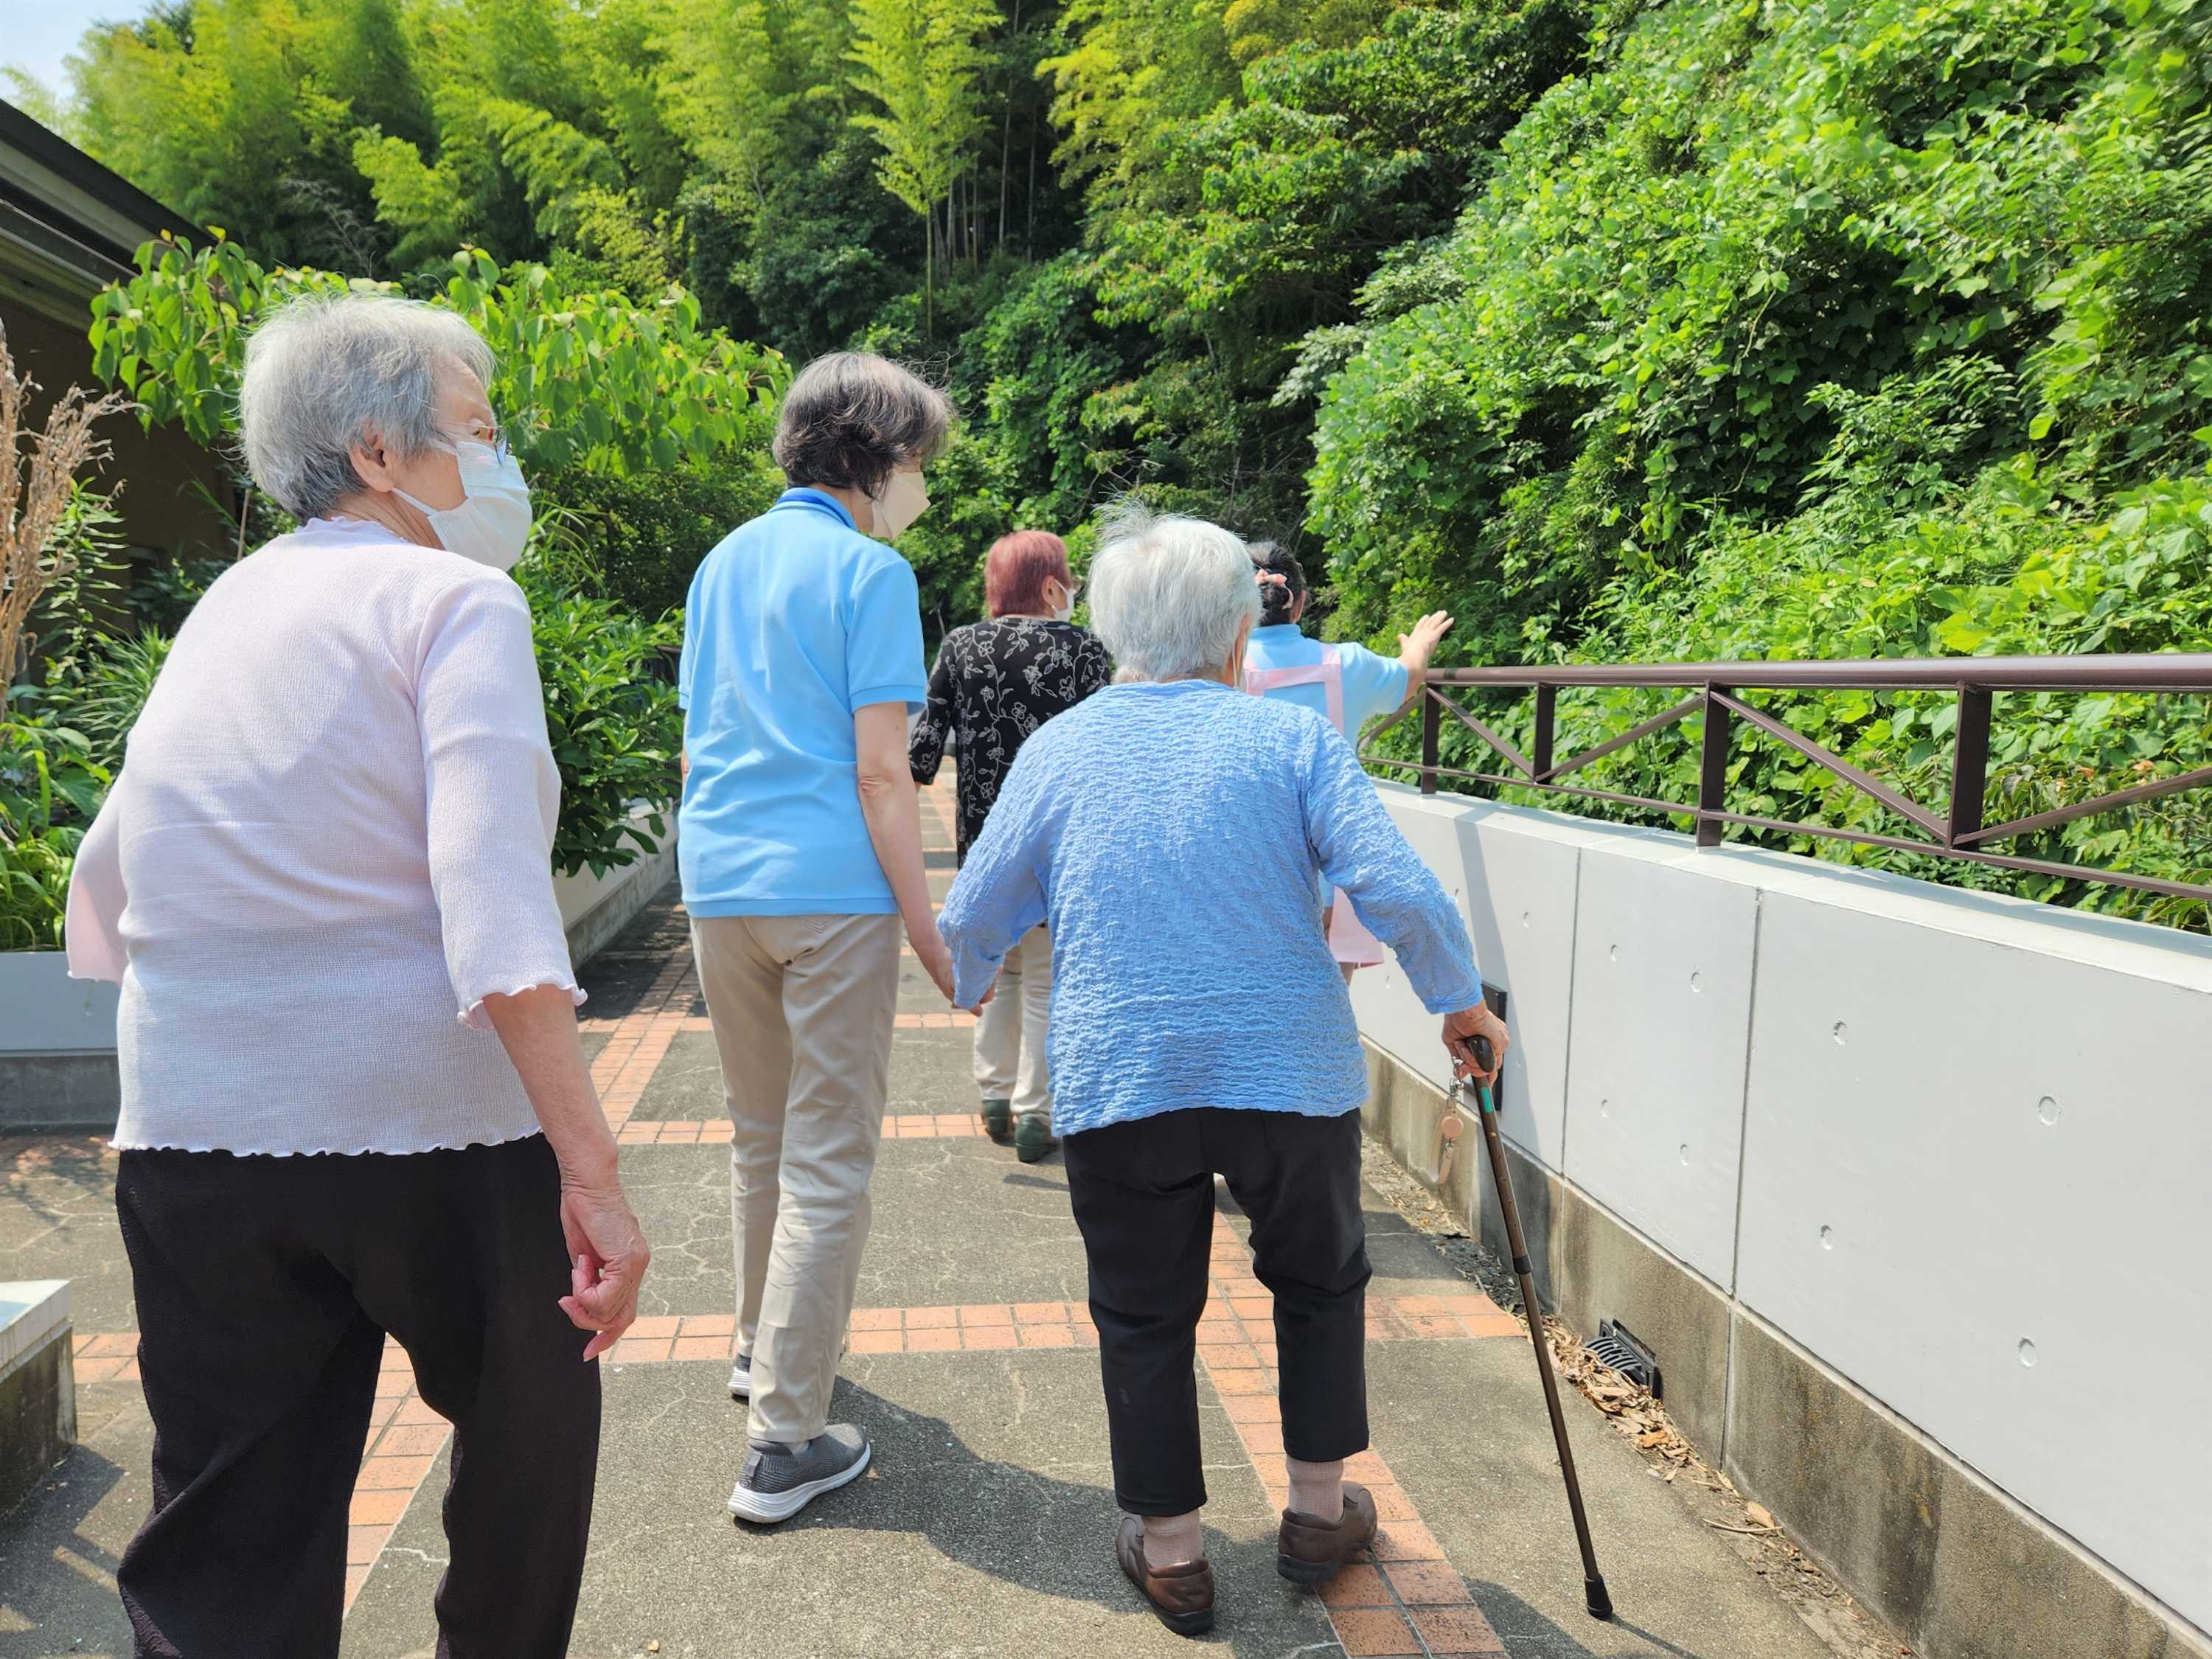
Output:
x=1348 y=683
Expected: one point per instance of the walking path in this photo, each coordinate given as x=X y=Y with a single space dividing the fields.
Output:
x=984 y=1525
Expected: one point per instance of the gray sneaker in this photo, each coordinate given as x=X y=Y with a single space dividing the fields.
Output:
x=778 y=1481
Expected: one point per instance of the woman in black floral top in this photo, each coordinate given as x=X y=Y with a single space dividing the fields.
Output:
x=995 y=683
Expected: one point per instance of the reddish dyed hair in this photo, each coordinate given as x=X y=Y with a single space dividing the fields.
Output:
x=1018 y=568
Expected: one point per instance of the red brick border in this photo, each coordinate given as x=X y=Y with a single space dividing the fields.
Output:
x=1236 y=1338
x=1411 y=1600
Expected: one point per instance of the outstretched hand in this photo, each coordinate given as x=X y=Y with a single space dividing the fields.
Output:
x=1420 y=645
x=1461 y=1030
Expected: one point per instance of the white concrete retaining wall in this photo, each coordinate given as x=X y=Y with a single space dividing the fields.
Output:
x=58 y=1034
x=43 y=1010
x=1957 y=1147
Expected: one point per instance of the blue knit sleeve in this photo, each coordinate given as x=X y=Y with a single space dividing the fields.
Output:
x=1361 y=851
x=999 y=895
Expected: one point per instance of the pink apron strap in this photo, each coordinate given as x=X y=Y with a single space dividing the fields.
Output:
x=1327 y=674
x=1349 y=941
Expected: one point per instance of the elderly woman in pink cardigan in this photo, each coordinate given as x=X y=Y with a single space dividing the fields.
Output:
x=353 y=1101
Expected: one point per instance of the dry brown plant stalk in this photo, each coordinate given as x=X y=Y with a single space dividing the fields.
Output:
x=34 y=493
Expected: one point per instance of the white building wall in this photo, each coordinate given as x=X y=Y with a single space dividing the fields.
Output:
x=1957 y=1147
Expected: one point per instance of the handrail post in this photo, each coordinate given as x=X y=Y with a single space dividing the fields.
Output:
x=1970 y=762
x=1712 y=769
x=1547 y=698
x=1431 y=740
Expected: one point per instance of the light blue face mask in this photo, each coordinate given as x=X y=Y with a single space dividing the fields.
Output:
x=492 y=524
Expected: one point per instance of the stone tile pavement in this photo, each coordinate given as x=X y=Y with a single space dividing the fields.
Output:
x=985 y=1525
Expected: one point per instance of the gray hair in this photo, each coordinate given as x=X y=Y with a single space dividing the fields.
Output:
x=851 y=419
x=325 y=372
x=1169 y=594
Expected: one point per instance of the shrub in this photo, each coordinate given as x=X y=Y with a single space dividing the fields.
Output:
x=637 y=539
x=50 y=787
x=108 y=688
x=611 y=716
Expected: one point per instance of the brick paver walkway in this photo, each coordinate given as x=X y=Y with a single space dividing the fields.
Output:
x=985 y=1525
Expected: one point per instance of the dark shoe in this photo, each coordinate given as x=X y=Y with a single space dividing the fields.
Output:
x=999 y=1120
x=1182 y=1596
x=1033 y=1137
x=1311 y=1552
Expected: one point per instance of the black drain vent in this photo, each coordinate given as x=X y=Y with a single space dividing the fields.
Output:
x=1622 y=1351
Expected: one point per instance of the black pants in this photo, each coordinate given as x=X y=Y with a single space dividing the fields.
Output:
x=265 y=1286
x=1143 y=1193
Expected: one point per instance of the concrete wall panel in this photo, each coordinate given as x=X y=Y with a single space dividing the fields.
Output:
x=1976 y=1183
x=1514 y=877
x=1662 y=1009
x=1974 y=1140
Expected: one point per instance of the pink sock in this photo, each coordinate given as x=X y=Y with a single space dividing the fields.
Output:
x=1316 y=1489
x=1172 y=1539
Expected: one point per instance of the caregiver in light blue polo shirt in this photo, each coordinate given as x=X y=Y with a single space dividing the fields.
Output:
x=1372 y=683
x=1340 y=680
x=800 y=849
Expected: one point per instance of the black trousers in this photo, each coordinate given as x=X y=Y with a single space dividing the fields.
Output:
x=1143 y=1193
x=265 y=1286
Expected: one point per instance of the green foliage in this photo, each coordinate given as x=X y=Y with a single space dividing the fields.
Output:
x=107 y=691
x=637 y=540
x=611 y=716
x=920 y=60
x=585 y=380
x=1681 y=262
x=50 y=787
x=238 y=112
x=1134 y=72
x=1262 y=219
x=1824 y=330
x=2002 y=570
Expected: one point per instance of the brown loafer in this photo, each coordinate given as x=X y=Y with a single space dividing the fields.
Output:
x=1312 y=1552
x=1182 y=1595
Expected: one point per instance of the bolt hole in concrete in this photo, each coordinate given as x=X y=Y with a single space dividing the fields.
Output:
x=1842 y=1033
x=2048 y=1109
x=1605 y=1108
x=1525 y=918
x=1683 y=1151
x=1613 y=953
x=2026 y=1352
x=1827 y=1239
x=1697 y=983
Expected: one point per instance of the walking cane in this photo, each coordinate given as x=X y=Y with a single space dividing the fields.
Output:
x=1593 y=1592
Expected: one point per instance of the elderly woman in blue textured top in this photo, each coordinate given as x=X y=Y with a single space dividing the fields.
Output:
x=1176 y=837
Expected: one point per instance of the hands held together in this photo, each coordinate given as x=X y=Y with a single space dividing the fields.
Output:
x=937 y=962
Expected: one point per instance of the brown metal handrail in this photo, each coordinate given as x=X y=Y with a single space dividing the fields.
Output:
x=1715 y=689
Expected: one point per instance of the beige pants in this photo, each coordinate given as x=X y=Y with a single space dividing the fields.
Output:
x=1010 y=1032
x=802 y=1007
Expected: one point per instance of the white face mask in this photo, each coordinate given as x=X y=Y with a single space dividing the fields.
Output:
x=492 y=523
x=902 y=499
x=1066 y=608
